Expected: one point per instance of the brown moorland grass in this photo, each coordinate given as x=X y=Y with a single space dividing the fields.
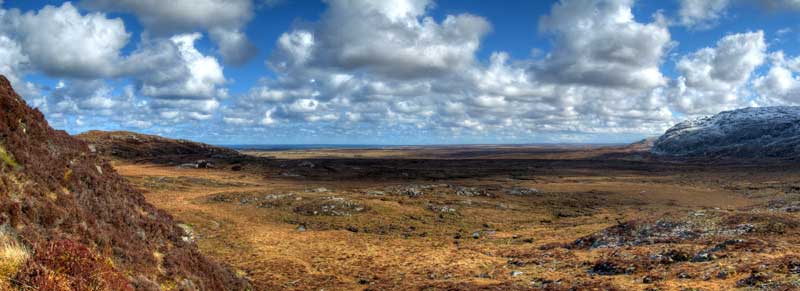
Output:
x=658 y=226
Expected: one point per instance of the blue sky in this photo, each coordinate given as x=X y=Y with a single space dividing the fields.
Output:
x=398 y=72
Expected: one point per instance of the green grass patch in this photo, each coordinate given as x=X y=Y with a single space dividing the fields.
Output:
x=7 y=159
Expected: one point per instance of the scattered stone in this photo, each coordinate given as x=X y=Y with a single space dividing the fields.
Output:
x=605 y=268
x=756 y=278
x=413 y=192
x=470 y=192
x=188 y=233
x=203 y=164
x=516 y=273
x=330 y=206
x=476 y=235
x=441 y=208
x=520 y=191
x=543 y=283
x=306 y=164
x=703 y=257
x=276 y=200
x=793 y=266
x=301 y=228
x=634 y=233
x=723 y=274
x=674 y=256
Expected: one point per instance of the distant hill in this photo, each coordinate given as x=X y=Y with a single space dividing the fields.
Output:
x=134 y=146
x=643 y=145
x=68 y=221
x=743 y=133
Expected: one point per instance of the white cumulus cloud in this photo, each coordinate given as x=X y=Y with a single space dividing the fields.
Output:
x=714 y=79
x=222 y=19
x=63 y=43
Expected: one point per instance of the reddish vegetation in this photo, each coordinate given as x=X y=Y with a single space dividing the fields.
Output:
x=67 y=265
x=88 y=228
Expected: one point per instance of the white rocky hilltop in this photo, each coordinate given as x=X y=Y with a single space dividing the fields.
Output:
x=742 y=133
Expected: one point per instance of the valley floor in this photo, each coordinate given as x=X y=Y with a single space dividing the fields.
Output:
x=589 y=224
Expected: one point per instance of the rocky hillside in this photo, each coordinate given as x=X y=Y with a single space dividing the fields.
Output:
x=135 y=146
x=742 y=133
x=68 y=221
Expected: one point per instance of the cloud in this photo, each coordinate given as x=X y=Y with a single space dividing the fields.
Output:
x=12 y=60
x=701 y=14
x=388 y=69
x=780 y=4
x=390 y=38
x=268 y=120
x=705 y=14
x=714 y=79
x=223 y=19
x=369 y=66
x=599 y=43
x=234 y=46
x=781 y=85
x=202 y=77
x=180 y=81
x=83 y=51
x=180 y=15
x=63 y=43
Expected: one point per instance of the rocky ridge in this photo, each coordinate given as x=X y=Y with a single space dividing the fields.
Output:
x=742 y=133
x=136 y=146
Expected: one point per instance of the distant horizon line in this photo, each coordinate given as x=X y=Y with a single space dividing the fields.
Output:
x=341 y=145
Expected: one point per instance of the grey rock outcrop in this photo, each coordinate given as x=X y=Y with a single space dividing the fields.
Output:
x=743 y=133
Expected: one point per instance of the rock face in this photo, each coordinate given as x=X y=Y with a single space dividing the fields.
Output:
x=742 y=133
x=82 y=225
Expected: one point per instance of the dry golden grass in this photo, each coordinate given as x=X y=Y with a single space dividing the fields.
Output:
x=12 y=256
